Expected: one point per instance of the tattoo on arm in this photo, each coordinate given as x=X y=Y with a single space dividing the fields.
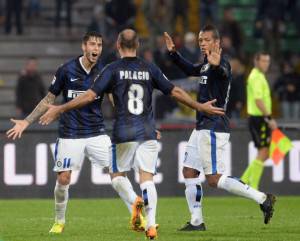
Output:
x=41 y=108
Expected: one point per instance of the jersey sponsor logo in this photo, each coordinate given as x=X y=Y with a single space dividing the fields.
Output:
x=134 y=75
x=74 y=79
x=203 y=80
x=74 y=93
x=204 y=68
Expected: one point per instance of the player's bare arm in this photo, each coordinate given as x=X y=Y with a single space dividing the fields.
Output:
x=207 y=107
x=54 y=111
x=169 y=42
x=21 y=125
x=111 y=99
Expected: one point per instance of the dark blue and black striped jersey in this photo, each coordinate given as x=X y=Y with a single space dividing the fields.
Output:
x=131 y=81
x=72 y=80
x=213 y=83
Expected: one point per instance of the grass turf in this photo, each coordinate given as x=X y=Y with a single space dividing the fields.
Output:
x=227 y=219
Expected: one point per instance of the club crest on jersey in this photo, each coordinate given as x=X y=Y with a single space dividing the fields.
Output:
x=204 y=68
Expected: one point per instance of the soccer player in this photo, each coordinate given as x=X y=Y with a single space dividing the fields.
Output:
x=205 y=148
x=131 y=81
x=81 y=132
x=259 y=108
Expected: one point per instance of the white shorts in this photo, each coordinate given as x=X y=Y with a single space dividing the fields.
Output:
x=136 y=155
x=69 y=153
x=205 y=151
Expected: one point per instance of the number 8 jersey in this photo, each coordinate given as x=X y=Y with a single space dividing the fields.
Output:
x=131 y=81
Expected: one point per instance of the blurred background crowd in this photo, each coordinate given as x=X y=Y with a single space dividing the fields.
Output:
x=38 y=35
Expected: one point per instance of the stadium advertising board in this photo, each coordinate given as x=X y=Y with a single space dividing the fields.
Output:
x=26 y=167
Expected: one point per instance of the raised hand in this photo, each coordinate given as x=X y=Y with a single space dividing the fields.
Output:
x=208 y=108
x=17 y=130
x=52 y=114
x=158 y=134
x=214 y=55
x=169 y=42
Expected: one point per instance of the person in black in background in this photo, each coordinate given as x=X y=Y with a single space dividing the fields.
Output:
x=30 y=88
x=13 y=7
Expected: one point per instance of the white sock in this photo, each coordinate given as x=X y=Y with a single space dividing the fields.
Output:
x=235 y=186
x=61 y=195
x=150 y=201
x=193 y=195
x=125 y=190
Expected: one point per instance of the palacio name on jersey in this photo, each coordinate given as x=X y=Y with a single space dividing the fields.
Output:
x=134 y=75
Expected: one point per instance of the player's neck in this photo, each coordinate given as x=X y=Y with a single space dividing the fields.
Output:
x=86 y=64
x=125 y=54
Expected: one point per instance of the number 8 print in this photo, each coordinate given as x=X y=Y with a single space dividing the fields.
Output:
x=135 y=99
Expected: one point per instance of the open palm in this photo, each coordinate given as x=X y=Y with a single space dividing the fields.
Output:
x=214 y=56
x=17 y=130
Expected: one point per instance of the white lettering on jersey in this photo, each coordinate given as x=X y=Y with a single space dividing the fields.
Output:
x=203 y=80
x=134 y=75
x=74 y=93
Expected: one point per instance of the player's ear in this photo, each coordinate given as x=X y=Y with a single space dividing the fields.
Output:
x=83 y=47
x=119 y=48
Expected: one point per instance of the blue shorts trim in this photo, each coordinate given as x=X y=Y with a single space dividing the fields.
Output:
x=213 y=152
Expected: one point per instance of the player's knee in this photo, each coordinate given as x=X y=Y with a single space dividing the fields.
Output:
x=212 y=180
x=64 y=178
x=266 y=154
x=263 y=154
x=190 y=173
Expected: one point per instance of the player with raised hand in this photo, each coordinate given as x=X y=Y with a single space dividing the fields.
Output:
x=206 y=146
x=131 y=81
x=81 y=132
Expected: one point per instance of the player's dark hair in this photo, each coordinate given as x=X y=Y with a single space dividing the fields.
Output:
x=213 y=29
x=258 y=54
x=128 y=41
x=90 y=34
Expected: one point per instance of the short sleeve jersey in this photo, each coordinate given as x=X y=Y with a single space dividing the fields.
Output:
x=258 y=88
x=71 y=79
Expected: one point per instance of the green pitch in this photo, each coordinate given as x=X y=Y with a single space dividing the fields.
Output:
x=227 y=219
